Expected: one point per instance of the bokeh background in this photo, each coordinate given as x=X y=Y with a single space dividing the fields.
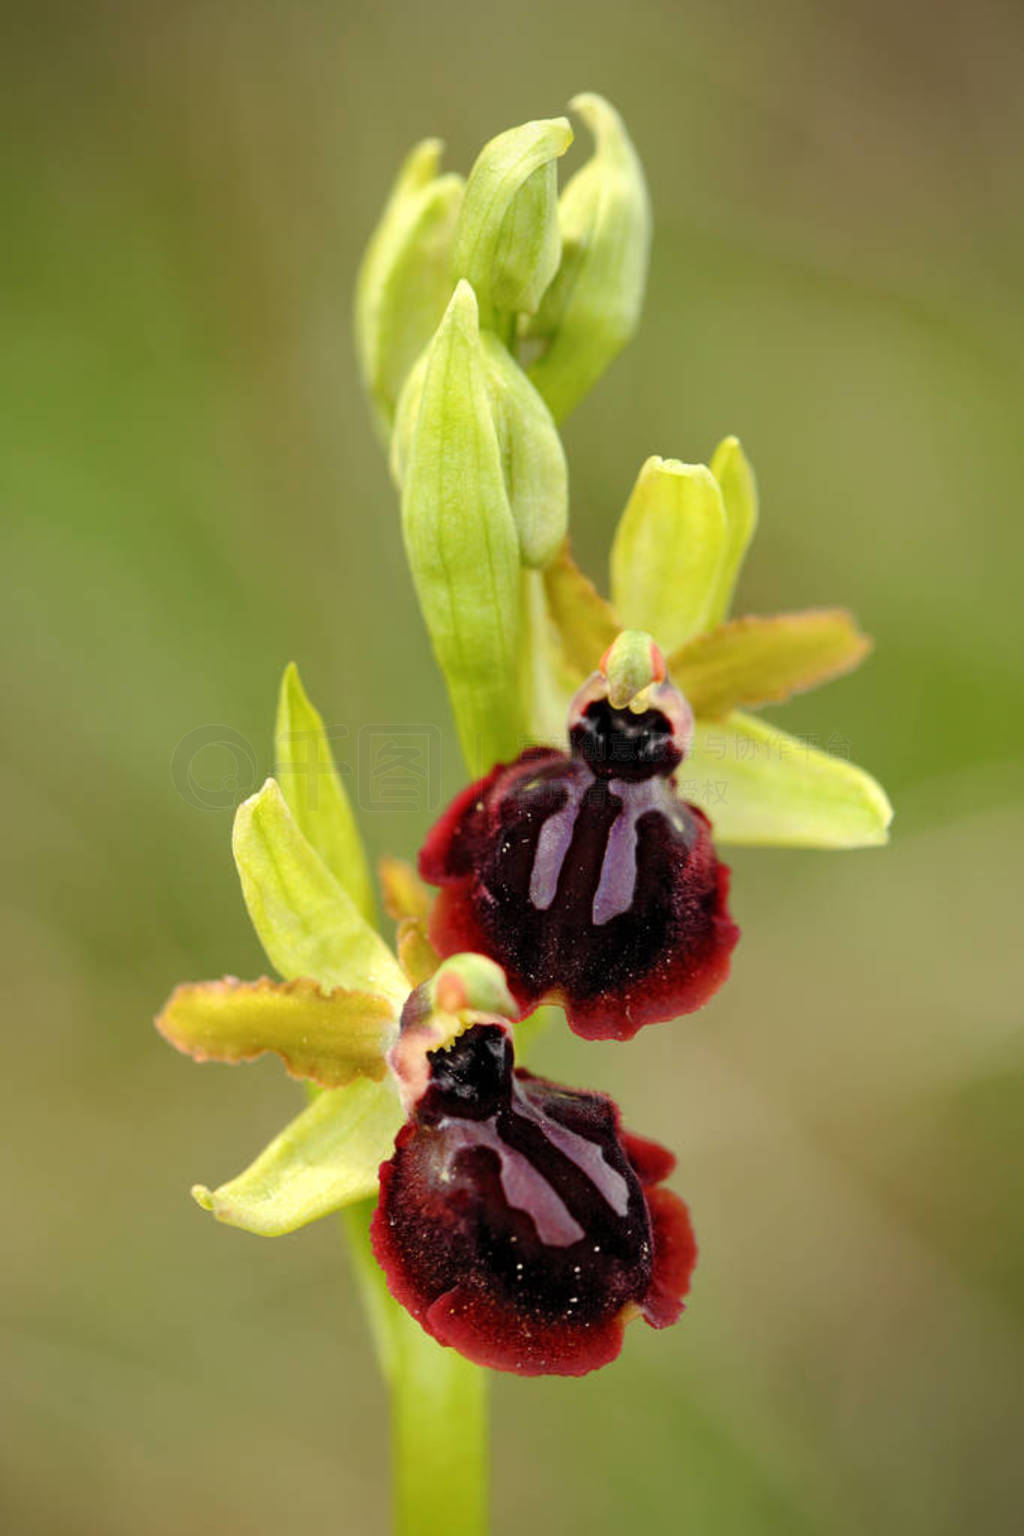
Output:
x=192 y=496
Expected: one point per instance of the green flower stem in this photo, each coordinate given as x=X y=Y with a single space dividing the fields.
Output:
x=439 y=1419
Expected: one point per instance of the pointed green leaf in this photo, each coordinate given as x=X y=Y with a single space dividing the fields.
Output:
x=731 y=468
x=507 y=242
x=405 y=279
x=461 y=540
x=585 y=622
x=762 y=786
x=315 y=794
x=533 y=459
x=668 y=551
x=764 y=660
x=593 y=304
x=328 y=1157
x=306 y=922
x=330 y=1038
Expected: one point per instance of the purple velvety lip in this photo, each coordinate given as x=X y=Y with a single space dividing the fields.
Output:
x=587 y=878
x=520 y=1224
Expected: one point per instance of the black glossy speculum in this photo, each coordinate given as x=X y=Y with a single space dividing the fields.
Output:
x=616 y=743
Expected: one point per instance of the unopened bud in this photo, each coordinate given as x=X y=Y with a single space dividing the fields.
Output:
x=507 y=240
x=592 y=306
x=404 y=282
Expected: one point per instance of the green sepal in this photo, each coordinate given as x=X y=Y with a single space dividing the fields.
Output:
x=592 y=306
x=461 y=539
x=329 y=1038
x=536 y=474
x=668 y=551
x=507 y=241
x=307 y=923
x=315 y=794
x=404 y=281
x=326 y=1158
x=755 y=660
x=761 y=786
x=732 y=469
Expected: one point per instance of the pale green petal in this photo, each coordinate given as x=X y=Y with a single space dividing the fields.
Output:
x=668 y=551
x=756 y=660
x=306 y=922
x=761 y=786
x=731 y=468
x=326 y=1158
x=315 y=794
x=593 y=304
x=461 y=540
x=507 y=241
x=329 y=1038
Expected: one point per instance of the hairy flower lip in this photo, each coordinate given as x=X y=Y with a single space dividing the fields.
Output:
x=520 y=1224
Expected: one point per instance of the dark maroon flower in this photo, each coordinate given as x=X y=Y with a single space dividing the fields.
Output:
x=520 y=1224
x=586 y=876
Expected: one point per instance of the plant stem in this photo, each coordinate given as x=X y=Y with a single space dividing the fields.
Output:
x=439 y=1420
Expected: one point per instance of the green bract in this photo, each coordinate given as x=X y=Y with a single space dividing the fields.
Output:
x=461 y=539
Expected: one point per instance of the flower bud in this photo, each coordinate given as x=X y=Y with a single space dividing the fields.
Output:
x=404 y=282
x=461 y=539
x=593 y=304
x=533 y=460
x=507 y=241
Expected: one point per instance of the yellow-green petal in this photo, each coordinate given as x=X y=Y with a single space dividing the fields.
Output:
x=308 y=925
x=330 y=1038
x=315 y=794
x=731 y=468
x=585 y=622
x=461 y=540
x=328 y=1157
x=761 y=786
x=755 y=660
x=668 y=551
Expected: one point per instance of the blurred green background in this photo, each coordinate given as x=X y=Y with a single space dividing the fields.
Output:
x=192 y=496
